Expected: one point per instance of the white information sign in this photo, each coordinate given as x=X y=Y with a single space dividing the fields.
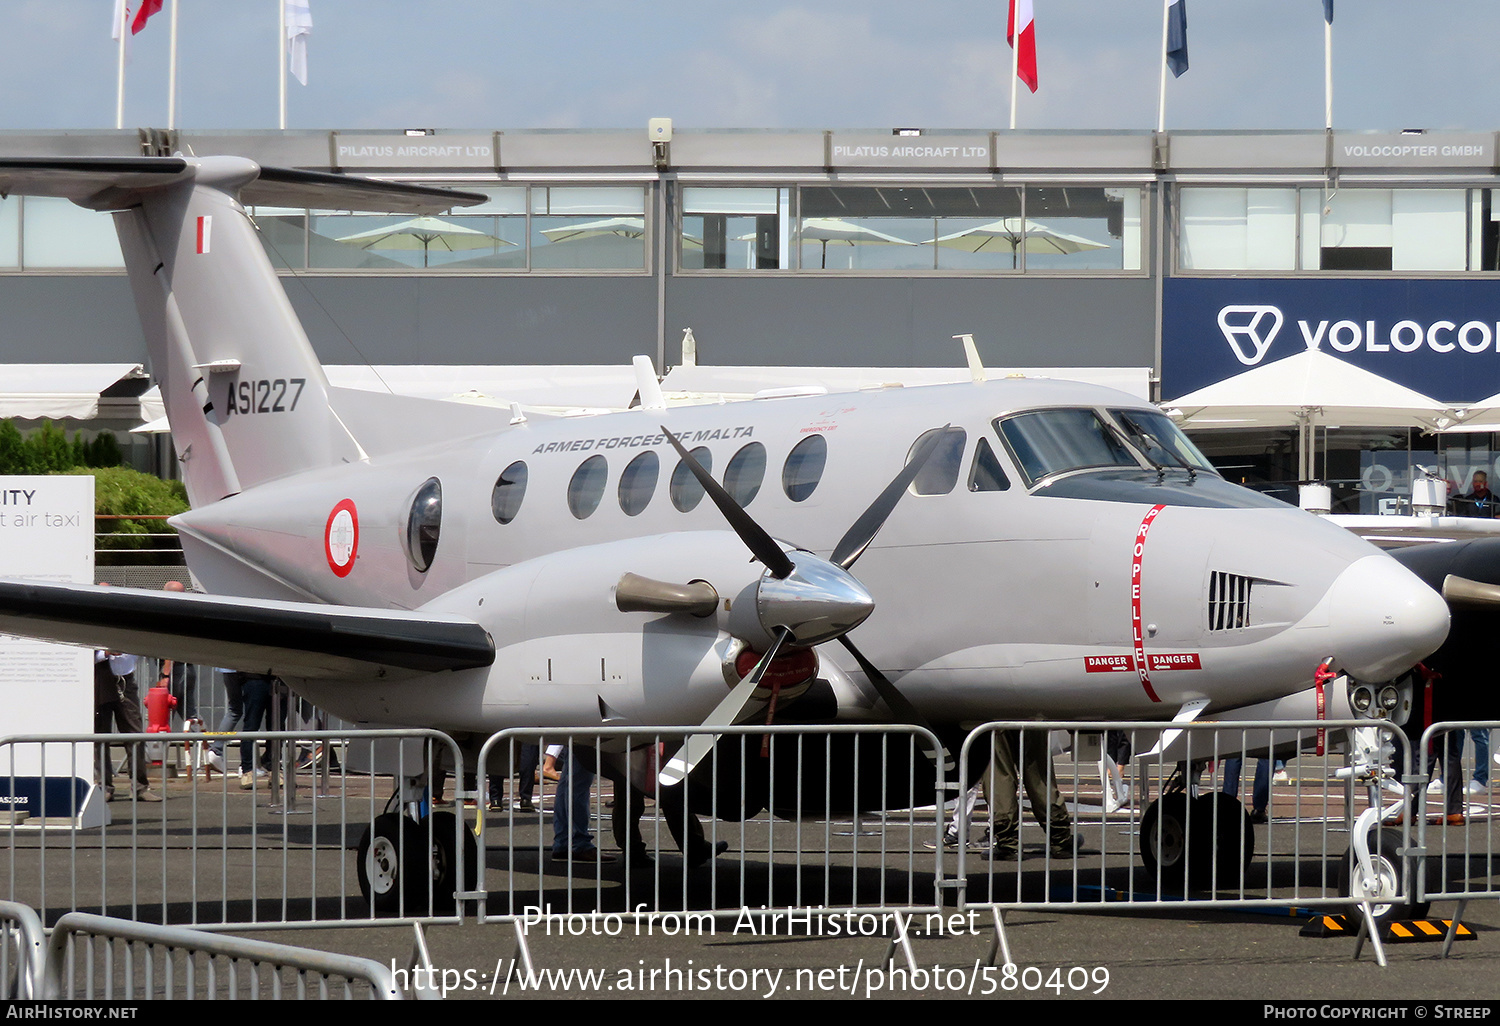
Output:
x=46 y=534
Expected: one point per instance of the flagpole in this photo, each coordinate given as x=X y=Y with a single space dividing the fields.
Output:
x=1161 y=99
x=1015 y=61
x=281 y=58
x=1328 y=74
x=172 y=72
x=124 y=30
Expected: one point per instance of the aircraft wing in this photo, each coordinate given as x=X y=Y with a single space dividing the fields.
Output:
x=288 y=639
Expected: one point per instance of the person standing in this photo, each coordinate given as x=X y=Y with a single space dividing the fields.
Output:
x=117 y=706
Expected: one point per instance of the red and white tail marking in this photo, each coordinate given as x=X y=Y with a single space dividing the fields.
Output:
x=205 y=226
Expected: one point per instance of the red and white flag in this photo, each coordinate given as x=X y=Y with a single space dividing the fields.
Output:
x=148 y=8
x=1021 y=34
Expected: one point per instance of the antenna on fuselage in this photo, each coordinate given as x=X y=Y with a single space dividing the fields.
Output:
x=976 y=366
x=647 y=386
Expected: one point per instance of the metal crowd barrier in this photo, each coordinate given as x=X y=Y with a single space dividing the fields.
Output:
x=100 y=958
x=1456 y=833
x=1177 y=839
x=275 y=849
x=23 y=950
x=832 y=818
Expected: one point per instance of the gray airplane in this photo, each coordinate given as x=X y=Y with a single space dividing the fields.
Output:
x=1025 y=547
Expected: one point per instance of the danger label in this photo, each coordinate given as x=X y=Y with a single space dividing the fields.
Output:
x=1109 y=664
x=1175 y=661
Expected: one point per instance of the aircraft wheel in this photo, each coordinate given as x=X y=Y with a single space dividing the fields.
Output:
x=378 y=863
x=1164 y=839
x=1387 y=881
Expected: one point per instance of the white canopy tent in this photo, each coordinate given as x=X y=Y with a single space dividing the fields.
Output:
x=57 y=391
x=1309 y=390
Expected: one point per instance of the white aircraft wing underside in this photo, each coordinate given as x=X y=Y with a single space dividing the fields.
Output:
x=287 y=639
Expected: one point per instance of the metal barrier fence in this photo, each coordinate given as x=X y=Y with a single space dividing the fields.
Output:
x=1456 y=833
x=269 y=848
x=23 y=950
x=100 y=958
x=1194 y=844
x=832 y=817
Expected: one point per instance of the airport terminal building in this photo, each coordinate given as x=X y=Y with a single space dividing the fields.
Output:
x=1202 y=256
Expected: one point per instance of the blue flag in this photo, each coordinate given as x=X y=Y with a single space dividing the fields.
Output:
x=1328 y=11
x=1177 y=57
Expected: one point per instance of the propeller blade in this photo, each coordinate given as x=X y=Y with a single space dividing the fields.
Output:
x=761 y=544
x=731 y=710
x=898 y=703
x=859 y=536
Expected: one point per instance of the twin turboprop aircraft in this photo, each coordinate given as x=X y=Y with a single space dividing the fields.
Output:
x=1025 y=547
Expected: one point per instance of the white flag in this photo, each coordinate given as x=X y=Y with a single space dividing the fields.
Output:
x=118 y=25
x=299 y=26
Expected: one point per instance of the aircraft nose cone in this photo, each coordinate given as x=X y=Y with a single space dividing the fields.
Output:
x=1384 y=619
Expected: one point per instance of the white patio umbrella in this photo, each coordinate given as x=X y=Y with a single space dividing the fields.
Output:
x=1305 y=390
x=623 y=227
x=1014 y=234
x=837 y=231
x=426 y=234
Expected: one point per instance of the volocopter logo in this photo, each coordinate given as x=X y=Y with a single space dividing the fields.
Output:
x=1250 y=330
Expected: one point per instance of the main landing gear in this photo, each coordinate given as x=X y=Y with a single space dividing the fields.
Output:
x=408 y=863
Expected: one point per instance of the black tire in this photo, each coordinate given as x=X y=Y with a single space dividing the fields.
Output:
x=1384 y=853
x=390 y=853
x=1223 y=841
x=444 y=864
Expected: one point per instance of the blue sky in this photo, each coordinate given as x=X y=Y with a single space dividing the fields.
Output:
x=512 y=64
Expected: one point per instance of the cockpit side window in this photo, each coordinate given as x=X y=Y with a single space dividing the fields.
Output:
x=940 y=473
x=1046 y=442
x=986 y=474
x=1161 y=440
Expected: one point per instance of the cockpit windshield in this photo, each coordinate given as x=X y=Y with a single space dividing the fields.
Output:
x=1162 y=441
x=1046 y=442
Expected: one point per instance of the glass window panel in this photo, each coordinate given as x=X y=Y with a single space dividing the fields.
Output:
x=1054 y=441
x=1485 y=230
x=638 y=482
x=1353 y=229
x=684 y=487
x=1238 y=229
x=746 y=471
x=1161 y=440
x=734 y=229
x=987 y=475
x=890 y=228
x=940 y=473
x=804 y=467
x=617 y=241
x=502 y=200
x=1429 y=229
x=587 y=487
x=510 y=489
x=1078 y=229
x=10 y=231
x=562 y=200
x=729 y=201
x=400 y=241
x=60 y=234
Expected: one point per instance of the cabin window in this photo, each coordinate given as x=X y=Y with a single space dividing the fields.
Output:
x=746 y=471
x=939 y=474
x=684 y=488
x=424 y=523
x=986 y=474
x=1162 y=441
x=803 y=468
x=1054 y=441
x=587 y=487
x=510 y=489
x=638 y=483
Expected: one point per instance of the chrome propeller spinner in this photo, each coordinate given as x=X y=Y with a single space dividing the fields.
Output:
x=804 y=600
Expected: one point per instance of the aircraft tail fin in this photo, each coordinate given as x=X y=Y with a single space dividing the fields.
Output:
x=244 y=391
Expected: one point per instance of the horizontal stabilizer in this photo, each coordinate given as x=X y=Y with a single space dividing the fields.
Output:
x=288 y=639
x=111 y=183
